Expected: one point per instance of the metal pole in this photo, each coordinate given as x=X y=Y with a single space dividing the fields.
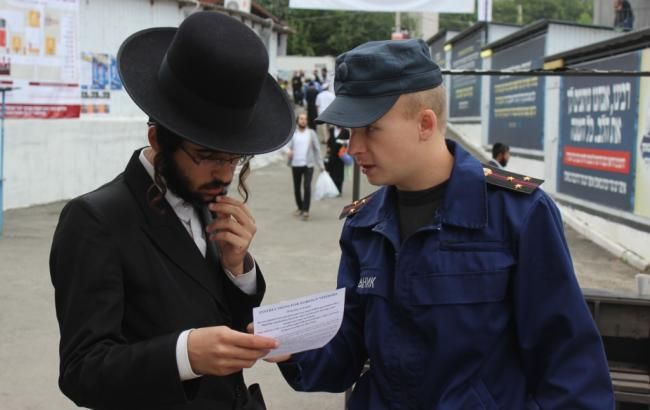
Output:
x=2 y=150
x=356 y=182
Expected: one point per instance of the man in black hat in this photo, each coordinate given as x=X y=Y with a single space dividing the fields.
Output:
x=460 y=289
x=153 y=280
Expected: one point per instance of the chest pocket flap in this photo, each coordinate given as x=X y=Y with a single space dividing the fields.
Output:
x=459 y=288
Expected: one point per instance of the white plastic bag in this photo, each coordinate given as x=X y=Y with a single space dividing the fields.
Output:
x=325 y=187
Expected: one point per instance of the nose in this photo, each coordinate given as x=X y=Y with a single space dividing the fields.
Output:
x=356 y=144
x=223 y=173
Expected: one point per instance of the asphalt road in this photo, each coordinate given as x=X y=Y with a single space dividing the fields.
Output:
x=298 y=258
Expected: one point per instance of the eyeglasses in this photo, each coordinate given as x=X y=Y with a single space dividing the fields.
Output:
x=216 y=160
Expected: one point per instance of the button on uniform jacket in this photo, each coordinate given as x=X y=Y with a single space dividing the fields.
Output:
x=478 y=310
x=128 y=280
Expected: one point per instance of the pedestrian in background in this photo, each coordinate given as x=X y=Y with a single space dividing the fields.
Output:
x=337 y=141
x=304 y=155
x=296 y=88
x=323 y=100
x=311 y=93
x=500 y=155
x=623 y=15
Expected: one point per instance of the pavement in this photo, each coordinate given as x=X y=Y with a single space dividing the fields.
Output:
x=298 y=258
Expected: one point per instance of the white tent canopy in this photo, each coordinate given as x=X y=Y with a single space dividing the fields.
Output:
x=430 y=6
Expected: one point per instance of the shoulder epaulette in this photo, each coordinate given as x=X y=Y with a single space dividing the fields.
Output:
x=355 y=206
x=510 y=180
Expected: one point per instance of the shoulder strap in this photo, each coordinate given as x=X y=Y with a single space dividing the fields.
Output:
x=510 y=180
x=355 y=206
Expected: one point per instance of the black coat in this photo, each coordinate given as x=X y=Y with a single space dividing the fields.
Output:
x=128 y=280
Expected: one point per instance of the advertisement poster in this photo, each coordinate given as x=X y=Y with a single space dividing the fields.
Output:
x=598 y=134
x=39 y=58
x=99 y=76
x=517 y=114
x=465 y=90
x=642 y=185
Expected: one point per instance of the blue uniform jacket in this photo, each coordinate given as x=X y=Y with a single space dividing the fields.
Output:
x=479 y=310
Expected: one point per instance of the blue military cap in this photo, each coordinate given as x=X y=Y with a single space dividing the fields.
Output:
x=370 y=78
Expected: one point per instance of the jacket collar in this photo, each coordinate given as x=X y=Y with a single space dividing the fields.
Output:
x=464 y=204
x=167 y=233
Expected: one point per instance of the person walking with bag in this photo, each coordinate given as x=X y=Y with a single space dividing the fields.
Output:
x=304 y=154
x=336 y=148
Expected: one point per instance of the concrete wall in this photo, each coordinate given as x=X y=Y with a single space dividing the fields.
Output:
x=50 y=160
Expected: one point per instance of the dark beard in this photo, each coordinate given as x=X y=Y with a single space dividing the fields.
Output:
x=503 y=162
x=178 y=183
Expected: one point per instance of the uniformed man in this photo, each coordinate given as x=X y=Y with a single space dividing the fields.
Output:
x=460 y=286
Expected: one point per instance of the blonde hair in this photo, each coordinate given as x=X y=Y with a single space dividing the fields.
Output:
x=433 y=98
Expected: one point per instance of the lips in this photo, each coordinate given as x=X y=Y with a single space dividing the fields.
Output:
x=365 y=168
x=213 y=192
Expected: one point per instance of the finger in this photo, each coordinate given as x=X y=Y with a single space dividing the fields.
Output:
x=229 y=225
x=251 y=341
x=234 y=202
x=238 y=212
x=231 y=239
x=233 y=352
x=250 y=328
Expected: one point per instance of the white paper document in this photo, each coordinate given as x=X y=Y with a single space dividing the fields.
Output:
x=301 y=324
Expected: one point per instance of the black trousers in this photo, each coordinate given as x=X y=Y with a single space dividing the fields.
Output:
x=304 y=175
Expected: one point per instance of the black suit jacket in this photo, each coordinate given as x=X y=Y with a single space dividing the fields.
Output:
x=128 y=280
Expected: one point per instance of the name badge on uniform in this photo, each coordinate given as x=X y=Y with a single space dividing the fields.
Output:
x=367 y=282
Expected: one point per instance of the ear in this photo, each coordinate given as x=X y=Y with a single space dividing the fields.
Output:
x=428 y=124
x=153 y=138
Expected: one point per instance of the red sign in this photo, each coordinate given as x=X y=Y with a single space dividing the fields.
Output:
x=42 y=111
x=598 y=159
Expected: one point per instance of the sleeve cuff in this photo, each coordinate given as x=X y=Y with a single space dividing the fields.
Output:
x=182 y=358
x=247 y=281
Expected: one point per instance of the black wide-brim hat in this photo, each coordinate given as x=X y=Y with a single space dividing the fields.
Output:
x=207 y=81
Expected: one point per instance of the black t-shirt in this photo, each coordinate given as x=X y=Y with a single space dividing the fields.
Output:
x=418 y=208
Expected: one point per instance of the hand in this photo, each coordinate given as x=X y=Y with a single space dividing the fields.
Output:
x=220 y=351
x=233 y=230
x=275 y=359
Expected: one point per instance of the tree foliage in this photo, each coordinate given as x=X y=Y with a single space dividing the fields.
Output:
x=323 y=32
x=507 y=11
